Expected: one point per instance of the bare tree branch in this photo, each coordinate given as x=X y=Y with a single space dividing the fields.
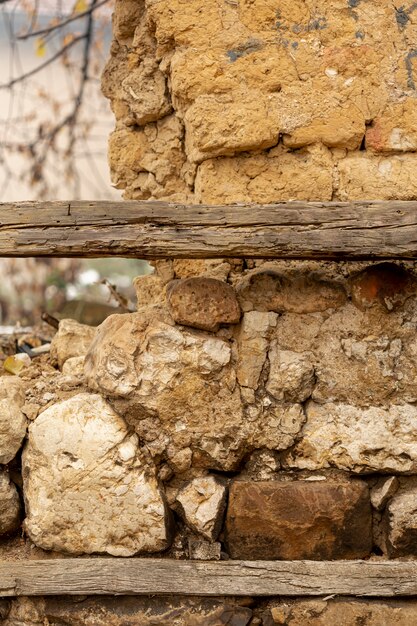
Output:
x=53 y=27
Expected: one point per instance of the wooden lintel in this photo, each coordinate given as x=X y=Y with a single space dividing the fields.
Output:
x=136 y=576
x=290 y=230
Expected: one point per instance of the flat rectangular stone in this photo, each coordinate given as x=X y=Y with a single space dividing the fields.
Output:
x=298 y=520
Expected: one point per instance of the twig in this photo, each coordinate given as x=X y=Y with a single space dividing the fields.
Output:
x=72 y=18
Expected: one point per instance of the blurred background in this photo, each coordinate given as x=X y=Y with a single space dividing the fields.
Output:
x=54 y=127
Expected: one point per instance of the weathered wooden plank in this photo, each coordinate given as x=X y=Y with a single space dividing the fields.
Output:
x=227 y=578
x=334 y=230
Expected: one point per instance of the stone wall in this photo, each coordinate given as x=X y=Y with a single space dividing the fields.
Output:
x=247 y=409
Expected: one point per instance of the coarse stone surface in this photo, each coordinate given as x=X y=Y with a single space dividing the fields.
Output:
x=255 y=331
x=386 y=284
x=303 y=293
x=291 y=375
x=298 y=520
x=203 y=303
x=383 y=491
x=9 y=505
x=400 y=523
x=127 y=611
x=13 y=422
x=349 y=612
x=202 y=503
x=72 y=339
x=373 y=439
x=88 y=487
x=178 y=388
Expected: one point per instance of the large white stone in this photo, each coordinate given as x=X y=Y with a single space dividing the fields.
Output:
x=13 y=423
x=253 y=346
x=71 y=340
x=9 y=505
x=291 y=375
x=351 y=438
x=88 y=486
x=178 y=389
x=203 y=502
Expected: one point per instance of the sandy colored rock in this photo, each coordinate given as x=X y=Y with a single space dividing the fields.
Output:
x=383 y=491
x=298 y=520
x=144 y=91
x=385 y=284
x=201 y=550
x=178 y=389
x=373 y=439
x=400 y=523
x=9 y=505
x=202 y=503
x=291 y=375
x=149 y=290
x=13 y=422
x=253 y=344
x=395 y=129
x=128 y=611
x=203 y=303
x=349 y=612
x=72 y=339
x=276 y=175
x=364 y=176
x=74 y=366
x=306 y=293
x=101 y=488
x=213 y=268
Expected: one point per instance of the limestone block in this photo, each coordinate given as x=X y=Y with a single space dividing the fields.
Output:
x=149 y=290
x=373 y=439
x=386 y=284
x=128 y=611
x=395 y=129
x=253 y=344
x=305 y=293
x=276 y=176
x=291 y=376
x=349 y=612
x=145 y=92
x=383 y=491
x=213 y=268
x=126 y=17
x=400 y=523
x=225 y=124
x=298 y=520
x=101 y=491
x=363 y=176
x=13 y=422
x=9 y=505
x=178 y=389
x=72 y=339
x=202 y=503
x=202 y=303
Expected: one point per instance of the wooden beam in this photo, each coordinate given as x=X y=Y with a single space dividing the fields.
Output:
x=298 y=230
x=135 y=576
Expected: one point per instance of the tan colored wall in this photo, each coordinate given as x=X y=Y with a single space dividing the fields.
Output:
x=263 y=100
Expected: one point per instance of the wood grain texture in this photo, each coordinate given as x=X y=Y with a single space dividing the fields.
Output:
x=298 y=230
x=137 y=576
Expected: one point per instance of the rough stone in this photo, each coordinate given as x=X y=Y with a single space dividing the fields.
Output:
x=291 y=376
x=386 y=284
x=213 y=268
x=9 y=505
x=13 y=422
x=298 y=520
x=349 y=612
x=202 y=503
x=72 y=339
x=101 y=489
x=74 y=366
x=305 y=293
x=128 y=611
x=355 y=439
x=201 y=550
x=400 y=523
x=203 y=303
x=178 y=390
x=395 y=129
x=253 y=345
x=149 y=290
x=383 y=491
